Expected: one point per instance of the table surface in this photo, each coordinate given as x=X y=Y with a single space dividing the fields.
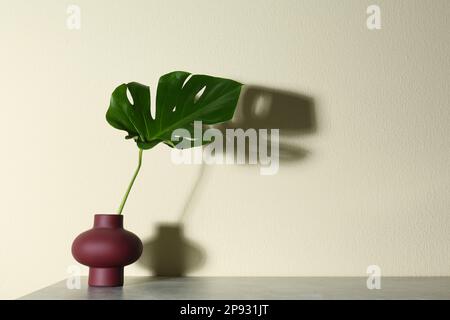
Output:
x=260 y=288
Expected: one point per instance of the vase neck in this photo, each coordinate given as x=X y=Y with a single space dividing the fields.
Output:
x=112 y=221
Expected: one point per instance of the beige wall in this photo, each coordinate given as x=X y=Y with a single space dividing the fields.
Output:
x=373 y=188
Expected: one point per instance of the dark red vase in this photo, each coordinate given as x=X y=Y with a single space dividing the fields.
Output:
x=106 y=249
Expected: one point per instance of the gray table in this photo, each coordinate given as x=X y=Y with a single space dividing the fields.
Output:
x=241 y=288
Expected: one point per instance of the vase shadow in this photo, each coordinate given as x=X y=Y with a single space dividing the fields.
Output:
x=170 y=254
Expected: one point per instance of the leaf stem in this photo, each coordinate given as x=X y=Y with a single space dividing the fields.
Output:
x=122 y=204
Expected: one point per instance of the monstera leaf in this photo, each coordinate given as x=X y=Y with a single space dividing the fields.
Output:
x=181 y=99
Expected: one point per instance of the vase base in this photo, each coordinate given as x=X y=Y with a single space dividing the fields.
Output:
x=106 y=277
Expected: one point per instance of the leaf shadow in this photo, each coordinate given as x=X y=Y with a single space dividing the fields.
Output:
x=170 y=252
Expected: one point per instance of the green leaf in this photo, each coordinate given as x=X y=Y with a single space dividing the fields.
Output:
x=179 y=102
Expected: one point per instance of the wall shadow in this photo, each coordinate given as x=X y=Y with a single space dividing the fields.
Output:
x=266 y=108
x=169 y=252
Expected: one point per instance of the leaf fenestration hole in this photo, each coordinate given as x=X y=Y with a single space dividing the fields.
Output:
x=153 y=106
x=130 y=97
x=261 y=108
x=186 y=81
x=199 y=94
